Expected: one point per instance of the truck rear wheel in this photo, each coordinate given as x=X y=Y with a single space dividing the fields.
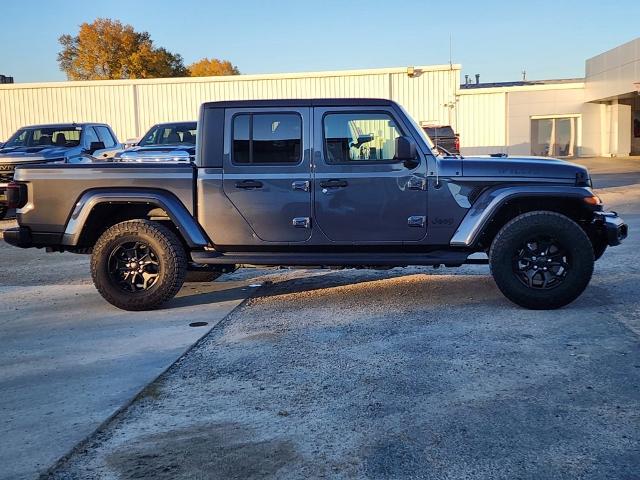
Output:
x=541 y=260
x=138 y=265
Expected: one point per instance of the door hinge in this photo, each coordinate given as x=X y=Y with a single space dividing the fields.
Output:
x=417 y=183
x=301 y=185
x=417 y=221
x=301 y=222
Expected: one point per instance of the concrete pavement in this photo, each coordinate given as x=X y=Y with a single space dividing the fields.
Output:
x=70 y=360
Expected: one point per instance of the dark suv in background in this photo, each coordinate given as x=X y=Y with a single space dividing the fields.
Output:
x=443 y=138
x=164 y=142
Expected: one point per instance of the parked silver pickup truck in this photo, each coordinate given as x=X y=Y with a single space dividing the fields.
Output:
x=54 y=143
x=338 y=182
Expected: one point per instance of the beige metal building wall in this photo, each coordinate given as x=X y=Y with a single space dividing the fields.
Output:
x=132 y=106
x=482 y=121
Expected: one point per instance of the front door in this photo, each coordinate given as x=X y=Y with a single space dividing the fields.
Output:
x=267 y=171
x=362 y=193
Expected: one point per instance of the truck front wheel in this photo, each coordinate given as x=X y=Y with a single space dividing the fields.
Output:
x=138 y=265
x=541 y=260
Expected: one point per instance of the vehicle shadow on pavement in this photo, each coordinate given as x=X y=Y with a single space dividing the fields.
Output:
x=203 y=293
x=284 y=282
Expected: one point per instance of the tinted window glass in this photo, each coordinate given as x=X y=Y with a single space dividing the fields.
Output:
x=174 y=134
x=267 y=138
x=90 y=136
x=241 y=138
x=105 y=136
x=45 y=136
x=360 y=137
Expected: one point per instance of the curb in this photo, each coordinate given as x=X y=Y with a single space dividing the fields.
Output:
x=84 y=443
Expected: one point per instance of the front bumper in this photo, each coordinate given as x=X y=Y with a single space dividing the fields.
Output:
x=611 y=227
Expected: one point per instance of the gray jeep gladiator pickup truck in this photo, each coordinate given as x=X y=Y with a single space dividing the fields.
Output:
x=54 y=143
x=339 y=183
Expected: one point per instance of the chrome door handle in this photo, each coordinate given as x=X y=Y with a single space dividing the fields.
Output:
x=301 y=185
x=301 y=222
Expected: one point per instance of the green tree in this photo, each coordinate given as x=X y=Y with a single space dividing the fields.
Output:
x=212 y=67
x=106 y=49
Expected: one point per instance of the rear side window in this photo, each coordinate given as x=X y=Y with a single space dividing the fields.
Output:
x=360 y=137
x=267 y=138
x=105 y=136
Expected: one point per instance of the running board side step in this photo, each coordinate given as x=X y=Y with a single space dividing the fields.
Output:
x=441 y=257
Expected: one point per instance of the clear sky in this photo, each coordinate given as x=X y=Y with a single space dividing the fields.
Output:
x=550 y=39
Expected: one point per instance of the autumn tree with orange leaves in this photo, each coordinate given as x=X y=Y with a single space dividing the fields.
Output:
x=106 y=49
x=212 y=67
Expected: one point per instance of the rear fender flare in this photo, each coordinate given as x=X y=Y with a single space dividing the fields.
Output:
x=178 y=213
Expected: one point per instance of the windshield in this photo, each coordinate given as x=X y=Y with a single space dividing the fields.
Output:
x=173 y=134
x=420 y=132
x=45 y=137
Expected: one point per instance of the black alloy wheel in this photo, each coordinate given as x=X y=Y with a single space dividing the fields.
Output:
x=541 y=263
x=134 y=266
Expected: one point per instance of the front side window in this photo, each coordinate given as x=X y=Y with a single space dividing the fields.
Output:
x=267 y=138
x=90 y=136
x=360 y=137
x=106 y=137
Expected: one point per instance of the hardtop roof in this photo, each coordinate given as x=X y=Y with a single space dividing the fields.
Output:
x=304 y=102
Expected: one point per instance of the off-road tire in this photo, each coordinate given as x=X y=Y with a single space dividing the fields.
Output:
x=196 y=276
x=172 y=264
x=567 y=233
x=3 y=212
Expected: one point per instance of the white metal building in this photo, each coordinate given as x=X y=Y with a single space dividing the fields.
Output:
x=132 y=106
x=595 y=115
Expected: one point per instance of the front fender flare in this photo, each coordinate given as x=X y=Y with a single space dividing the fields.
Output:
x=178 y=213
x=490 y=202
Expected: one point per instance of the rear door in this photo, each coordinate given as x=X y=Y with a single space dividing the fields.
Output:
x=362 y=193
x=267 y=171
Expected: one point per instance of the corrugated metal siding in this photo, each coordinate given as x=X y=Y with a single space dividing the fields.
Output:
x=28 y=106
x=132 y=106
x=425 y=97
x=482 y=120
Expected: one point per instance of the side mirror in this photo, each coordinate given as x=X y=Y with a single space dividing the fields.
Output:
x=407 y=152
x=96 y=146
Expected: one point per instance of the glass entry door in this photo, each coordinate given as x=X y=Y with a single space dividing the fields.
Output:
x=554 y=137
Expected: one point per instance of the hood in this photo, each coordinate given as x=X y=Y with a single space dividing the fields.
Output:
x=157 y=153
x=529 y=167
x=32 y=154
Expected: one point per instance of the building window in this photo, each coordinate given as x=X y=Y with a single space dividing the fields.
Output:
x=267 y=138
x=554 y=137
x=360 y=137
